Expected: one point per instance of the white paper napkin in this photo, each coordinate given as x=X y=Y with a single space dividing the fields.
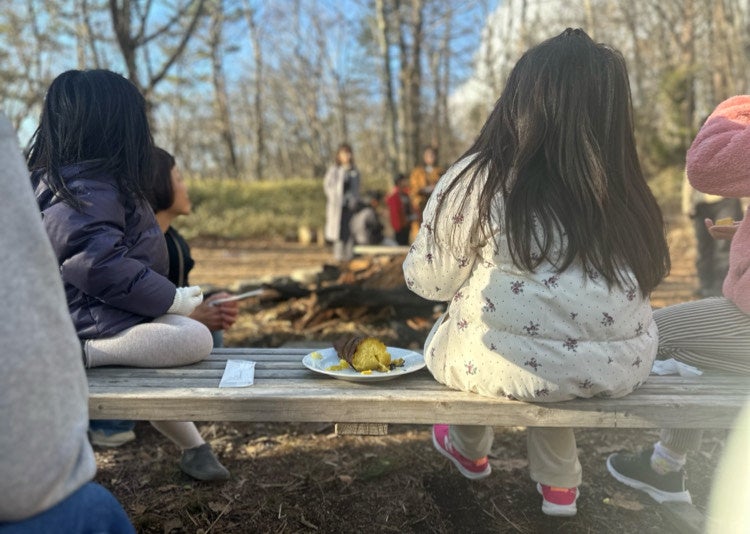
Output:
x=673 y=367
x=237 y=374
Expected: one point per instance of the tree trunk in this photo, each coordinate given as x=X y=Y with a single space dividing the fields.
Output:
x=386 y=79
x=260 y=148
x=221 y=100
x=688 y=59
x=410 y=80
x=414 y=81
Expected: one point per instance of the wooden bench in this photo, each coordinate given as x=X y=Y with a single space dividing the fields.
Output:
x=381 y=250
x=285 y=391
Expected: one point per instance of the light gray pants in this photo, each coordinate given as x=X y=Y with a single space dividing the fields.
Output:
x=709 y=334
x=343 y=250
x=552 y=454
x=169 y=340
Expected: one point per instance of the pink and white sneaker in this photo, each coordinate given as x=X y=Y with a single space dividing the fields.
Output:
x=472 y=469
x=559 y=502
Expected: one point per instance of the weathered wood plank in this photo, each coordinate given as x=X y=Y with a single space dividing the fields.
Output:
x=251 y=404
x=381 y=250
x=422 y=381
x=286 y=391
x=361 y=429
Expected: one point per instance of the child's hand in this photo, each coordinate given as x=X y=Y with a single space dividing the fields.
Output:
x=185 y=300
x=721 y=231
x=217 y=317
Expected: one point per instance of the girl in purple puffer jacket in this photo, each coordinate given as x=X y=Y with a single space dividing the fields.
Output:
x=90 y=163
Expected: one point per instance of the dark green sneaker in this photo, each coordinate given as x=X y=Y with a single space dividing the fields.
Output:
x=201 y=464
x=635 y=470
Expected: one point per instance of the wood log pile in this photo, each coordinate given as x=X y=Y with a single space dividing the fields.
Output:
x=366 y=295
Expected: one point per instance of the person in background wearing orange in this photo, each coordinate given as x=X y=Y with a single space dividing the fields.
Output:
x=422 y=181
x=399 y=207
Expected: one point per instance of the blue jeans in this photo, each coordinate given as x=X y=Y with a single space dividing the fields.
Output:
x=90 y=510
x=111 y=426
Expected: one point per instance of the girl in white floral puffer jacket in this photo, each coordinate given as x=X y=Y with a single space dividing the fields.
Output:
x=545 y=241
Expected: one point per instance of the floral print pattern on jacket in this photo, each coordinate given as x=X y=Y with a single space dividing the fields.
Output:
x=507 y=332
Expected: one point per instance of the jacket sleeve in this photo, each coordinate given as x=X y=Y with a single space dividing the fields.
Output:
x=395 y=211
x=329 y=182
x=416 y=183
x=93 y=254
x=718 y=161
x=443 y=254
x=356 y=183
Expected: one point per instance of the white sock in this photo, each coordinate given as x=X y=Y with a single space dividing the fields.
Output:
x=665 y=460
x=182 y=433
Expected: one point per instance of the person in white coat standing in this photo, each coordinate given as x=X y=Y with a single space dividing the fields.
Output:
x=341 y=185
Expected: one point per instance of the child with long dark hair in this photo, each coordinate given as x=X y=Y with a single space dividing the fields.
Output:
x=546 y=242
x=91 y=169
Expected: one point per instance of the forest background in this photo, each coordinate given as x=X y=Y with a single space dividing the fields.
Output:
x=253 y=96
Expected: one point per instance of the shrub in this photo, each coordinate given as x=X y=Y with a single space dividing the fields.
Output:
x=236 y=209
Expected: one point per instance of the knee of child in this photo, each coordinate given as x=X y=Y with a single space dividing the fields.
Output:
x=198 y=342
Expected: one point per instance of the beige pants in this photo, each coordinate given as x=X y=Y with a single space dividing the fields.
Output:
x=553 y=458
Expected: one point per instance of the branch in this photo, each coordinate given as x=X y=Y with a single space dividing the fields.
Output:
x=183 y=42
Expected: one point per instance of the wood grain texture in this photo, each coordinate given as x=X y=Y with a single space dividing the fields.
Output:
x=285 y=391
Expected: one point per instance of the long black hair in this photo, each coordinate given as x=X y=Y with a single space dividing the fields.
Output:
x=559 y=147
x=98 y=118
x=161 y=192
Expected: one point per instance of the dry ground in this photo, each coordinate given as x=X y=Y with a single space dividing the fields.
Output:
x=303 y=478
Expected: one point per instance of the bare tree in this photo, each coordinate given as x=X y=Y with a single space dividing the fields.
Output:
x=130 y=20
x=438 y=35
x=221 y=97
x=410 y=37
x=24 y=72
x=382 y=34
x=251 y=14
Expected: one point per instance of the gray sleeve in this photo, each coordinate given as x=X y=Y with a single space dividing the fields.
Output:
x=44 y=450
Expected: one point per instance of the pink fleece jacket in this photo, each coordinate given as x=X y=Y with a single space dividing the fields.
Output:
x=718 y=162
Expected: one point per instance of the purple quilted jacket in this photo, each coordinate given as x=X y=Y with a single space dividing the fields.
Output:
x=112 y=254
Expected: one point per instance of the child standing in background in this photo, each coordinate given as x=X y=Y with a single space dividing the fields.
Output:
x=400 y=209
x=546 y=242
x=422 y=181
x=91 y=169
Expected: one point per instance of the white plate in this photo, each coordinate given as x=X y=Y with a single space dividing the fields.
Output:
x=413 y=361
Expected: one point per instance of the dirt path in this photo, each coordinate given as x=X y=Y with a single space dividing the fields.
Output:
x=230 y=264
x=234 y=263
x=303 y=478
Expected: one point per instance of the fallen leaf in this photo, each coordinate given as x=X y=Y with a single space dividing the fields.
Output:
x=172 y=524
x=508 y=464
x=619 y=500
x=139 y=508
x=217 y=507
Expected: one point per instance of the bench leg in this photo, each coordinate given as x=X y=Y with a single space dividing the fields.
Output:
x=361 y=429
